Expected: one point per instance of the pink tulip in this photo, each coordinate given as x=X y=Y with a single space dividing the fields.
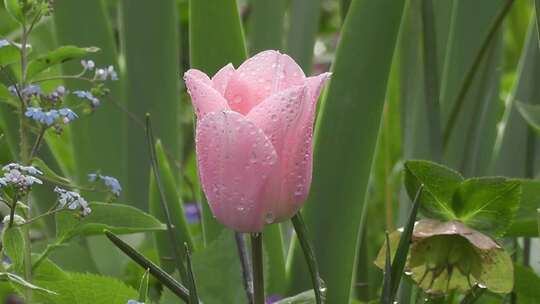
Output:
x=254 y=138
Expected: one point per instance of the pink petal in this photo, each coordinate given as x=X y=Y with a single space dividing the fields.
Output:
x=204 y=97
x=235 y=159
x=221 y=79
x=259 y=77
x=287 y=119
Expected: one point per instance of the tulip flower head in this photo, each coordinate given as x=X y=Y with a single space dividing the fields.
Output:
x=254 y=138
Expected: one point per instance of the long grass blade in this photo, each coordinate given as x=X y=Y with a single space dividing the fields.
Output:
x=345 y=139
x=163 y=199
x=304 y=18
x=193 y=297
x=151 y=51
x=266 y=25
x=386 y=296
x=157 y=272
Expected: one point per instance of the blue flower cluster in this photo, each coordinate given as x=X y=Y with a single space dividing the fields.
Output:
x=19 y=176
x=108 y=73
x=72 y=200
x=112 y=183
x=49 y=117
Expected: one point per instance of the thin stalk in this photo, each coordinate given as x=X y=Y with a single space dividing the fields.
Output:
x=164 y=205
x=27 y=262
x=193 y=297
x=309 y=254
x=244 y=263
x=38 y=142
x=471 y=72
x=162 y=276
x=12 y=212
x=473 y=295
x=258 y=269
x=431 y=81
x=386 y=295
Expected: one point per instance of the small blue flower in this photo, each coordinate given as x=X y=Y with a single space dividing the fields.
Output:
x=49 y=117
x=88 y=64
x=67 y=115
x=30 y=90
x=34 y=113
x=134 y=302
x=112 y=183
x=87 y=95
x=273 y=299
x=104 y=74
x=4 y=43
x=72 y=200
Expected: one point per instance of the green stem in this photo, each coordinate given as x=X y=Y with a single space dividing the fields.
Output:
x=257 y=264
x=37 y=143
x=302 y=235
x=244 y=263
x=28 y=262
x=193 y=297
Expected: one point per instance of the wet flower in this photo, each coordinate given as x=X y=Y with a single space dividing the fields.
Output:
x=254 y=138
x=73 y=200
x=112 y=183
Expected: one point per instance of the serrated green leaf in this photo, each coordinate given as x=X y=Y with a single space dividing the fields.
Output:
x=487 y=204
x=531 y=114
x=216 y=268
x=118 y=218
x=13 y=242
x=439 y=182
x=60 y=55
x=306 y=297
x=78 y=288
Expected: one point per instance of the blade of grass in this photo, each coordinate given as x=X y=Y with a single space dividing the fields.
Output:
x=157 y=272
x=163 y=200
x=400 y=258
x=151 y=51
x=193 y=297
x=471 y=71
x=304 y=18
x=266 y=25
x=345 y=138
x=431 y=78
x=98 y=139
x=386 y=295
x=176 y=210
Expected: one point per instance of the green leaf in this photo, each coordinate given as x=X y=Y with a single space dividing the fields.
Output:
x=9 y=53
x=176 y=212
x=345 y=139
x=14 y=9
x=156 y=38
x=79 y=288
x=306 y=297
x=118 y=218
x=526 y=285
x=487 y=204
x=304 y=18
x=531 y=114
x=211 y=49
x=524 y=223
x=439 y=182
x=60 y=55
x=266 y=25
x=13 y=242
x=218 y=279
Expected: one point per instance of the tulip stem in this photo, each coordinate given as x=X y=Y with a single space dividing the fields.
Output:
x=257 y=264
x=301 y=232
